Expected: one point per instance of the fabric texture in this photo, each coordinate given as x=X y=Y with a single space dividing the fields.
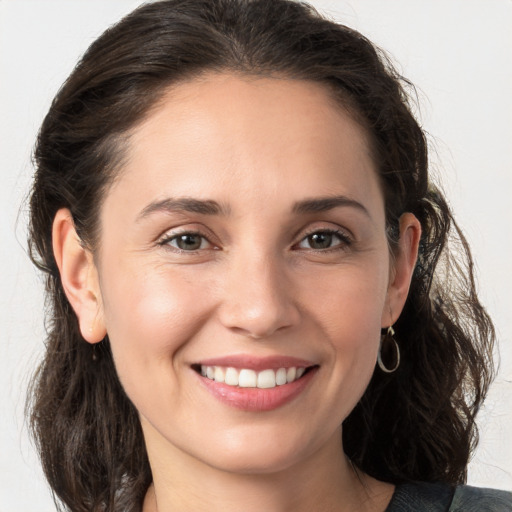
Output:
x=427 y=497
x=475 y=499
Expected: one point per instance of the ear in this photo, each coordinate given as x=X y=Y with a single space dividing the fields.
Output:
x=402 y=269
x=79 y=277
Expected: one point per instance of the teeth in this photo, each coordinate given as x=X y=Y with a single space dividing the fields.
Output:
x=231 y=377
x=219 y=374
x=246 y=378
x=266 y=379
x=281 y=376
x=291 y=373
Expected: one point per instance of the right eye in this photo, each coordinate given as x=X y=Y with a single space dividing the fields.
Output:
x=187 y=242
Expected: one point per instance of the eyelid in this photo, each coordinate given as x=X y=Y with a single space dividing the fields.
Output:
x=172 y=234
x=346 y=237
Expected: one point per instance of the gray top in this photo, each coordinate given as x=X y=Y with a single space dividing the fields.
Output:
x=426 y=497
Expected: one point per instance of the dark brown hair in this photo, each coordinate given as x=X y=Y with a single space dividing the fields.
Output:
x=415 y=424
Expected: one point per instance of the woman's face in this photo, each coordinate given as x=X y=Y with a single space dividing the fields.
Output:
x=246 y=231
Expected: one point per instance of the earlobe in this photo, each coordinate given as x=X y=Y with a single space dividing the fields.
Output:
x=405 y=259
x=79 y=277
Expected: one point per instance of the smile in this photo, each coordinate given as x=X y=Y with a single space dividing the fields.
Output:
x=256 y=384
x=248 y=378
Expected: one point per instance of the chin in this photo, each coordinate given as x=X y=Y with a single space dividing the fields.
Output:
x=264 y=453
x=261 y=463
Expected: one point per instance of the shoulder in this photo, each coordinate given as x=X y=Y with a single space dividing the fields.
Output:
x=421 y=497
x=437 y=497
x=477 y=499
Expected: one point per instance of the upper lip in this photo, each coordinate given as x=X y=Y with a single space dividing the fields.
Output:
x=256 y=363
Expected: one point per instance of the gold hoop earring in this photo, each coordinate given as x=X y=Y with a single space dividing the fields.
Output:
x=386 y=342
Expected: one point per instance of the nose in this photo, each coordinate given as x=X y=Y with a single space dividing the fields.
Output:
x=258 y=298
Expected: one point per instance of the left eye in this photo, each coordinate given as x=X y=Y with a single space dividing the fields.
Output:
x=188 y=242
x=323 y=240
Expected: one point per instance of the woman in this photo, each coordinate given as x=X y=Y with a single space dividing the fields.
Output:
x=231 y=203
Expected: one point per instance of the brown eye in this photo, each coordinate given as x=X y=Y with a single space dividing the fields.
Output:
x=320 y=240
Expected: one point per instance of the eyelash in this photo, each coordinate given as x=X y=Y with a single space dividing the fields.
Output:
x=345 y=240
x=166 y=241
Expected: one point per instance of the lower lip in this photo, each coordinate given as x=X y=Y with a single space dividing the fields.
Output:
x=256 y=399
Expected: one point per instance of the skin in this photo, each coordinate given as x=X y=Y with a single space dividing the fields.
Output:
x=257 y=285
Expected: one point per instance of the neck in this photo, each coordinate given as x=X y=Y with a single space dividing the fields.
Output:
x=325 y=481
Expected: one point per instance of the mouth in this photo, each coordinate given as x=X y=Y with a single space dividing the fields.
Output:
x=248 y=378
x=255 y=385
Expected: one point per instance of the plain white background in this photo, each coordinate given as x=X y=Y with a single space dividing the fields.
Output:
x=457 y=52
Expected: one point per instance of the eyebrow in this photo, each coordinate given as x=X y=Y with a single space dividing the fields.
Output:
x=323 y=204
x=184 y=204
x=210 y=207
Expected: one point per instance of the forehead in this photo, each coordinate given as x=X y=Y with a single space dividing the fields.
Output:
x=246 y=103
x=256 y=138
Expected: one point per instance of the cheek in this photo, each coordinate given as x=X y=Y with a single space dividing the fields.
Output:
x=349 y=312
x=149 y=317
x=351 y=300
